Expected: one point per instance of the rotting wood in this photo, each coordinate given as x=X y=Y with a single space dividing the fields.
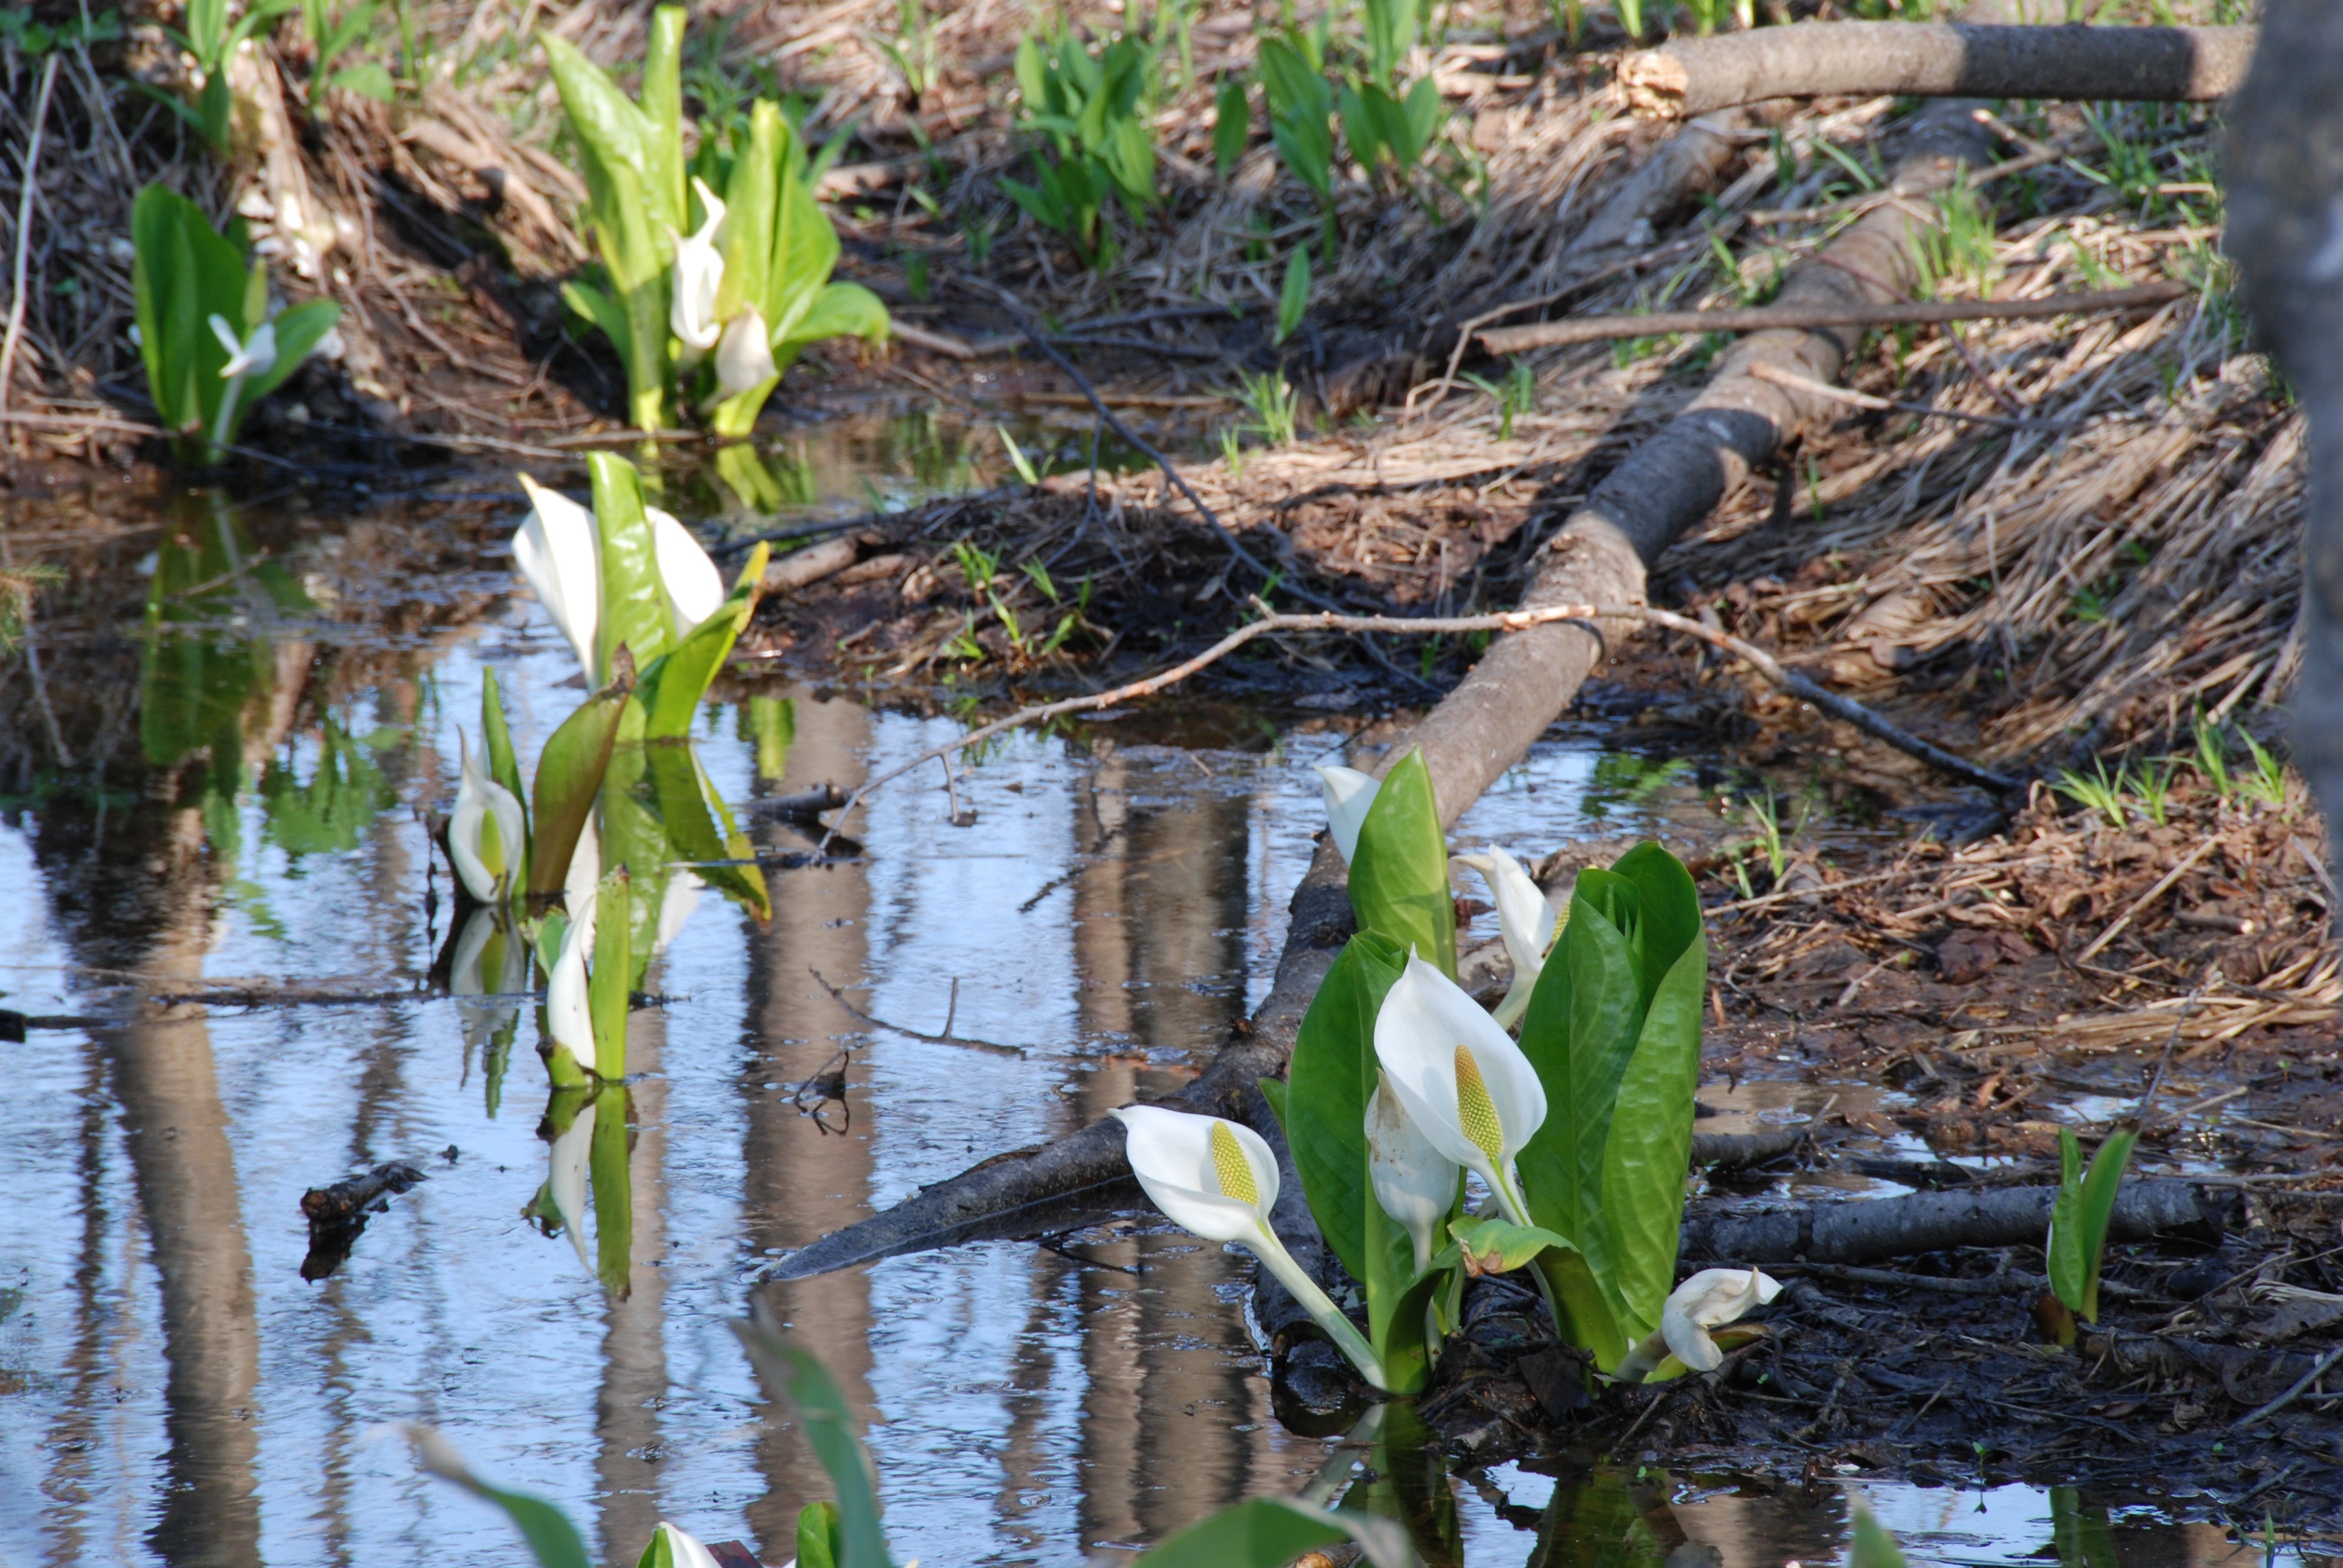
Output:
x=1842 y=1232
x=339 y=1213
x=1937 y=59
x=1527 y=678
x=1851 y=313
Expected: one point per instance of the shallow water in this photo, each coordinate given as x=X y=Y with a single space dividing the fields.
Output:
x=177 y=1392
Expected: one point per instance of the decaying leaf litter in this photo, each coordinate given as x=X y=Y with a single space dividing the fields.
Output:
x=2087 y=600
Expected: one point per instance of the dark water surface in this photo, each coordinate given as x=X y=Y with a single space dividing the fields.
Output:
x=221 y=760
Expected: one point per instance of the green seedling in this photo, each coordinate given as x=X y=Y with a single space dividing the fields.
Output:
x=1231 y=125
x=331 y=37
x=214 y=40
x=2151 y=785
x=1301 y=111
x=1232 y=451
x=2078 y=1224
x=1765 y=816
x=1093 y=109
x=210 y=347
x=912 y=50
x=2096 y=792
x=2212 y=759
x=1514 y=396
x=1275 y=405
x=1293 y=298
x=2267 y=783
x=1017 y=458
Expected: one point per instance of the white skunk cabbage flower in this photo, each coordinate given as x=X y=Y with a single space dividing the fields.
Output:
x=694 y=586
x=683 y=1549
x=744 y=355
x=1709 y=1300
x=253 y=356
x=560 y=552
x=569 y=1012
x=1412 y=1180
x=1219 y=1180
x=1460 y=1077
x=1349 y=794
x=484 y=837
x=699 y=275
x=1525 y=921
x=568 y=1166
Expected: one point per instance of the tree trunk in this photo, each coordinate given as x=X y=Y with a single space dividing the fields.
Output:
x=1937 y=60
x=2285 y=231
x=1837 y=1232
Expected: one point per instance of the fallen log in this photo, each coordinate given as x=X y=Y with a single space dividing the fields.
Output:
x=339 y=1213
x=1849 y=313
x=1840 y=1231
x=1482 y=727
x=1937 y=60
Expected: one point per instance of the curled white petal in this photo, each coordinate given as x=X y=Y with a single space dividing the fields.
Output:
x=676 y=904
x=585 y=878
x=1349 y=794
x=1421 y=1023
x=566 y=1171
x=1709 y=1300
x=699 y=276
x=744 y=355
x=479 y=801
x=684 y=1548
x=1525 y=921
x=569 y=1011
x=1414 y=1182
x=1172 y=1154
x=694 y=586
x=254 y=356
x=562 y=554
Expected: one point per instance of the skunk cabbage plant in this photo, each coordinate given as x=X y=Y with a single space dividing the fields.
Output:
x=1709 y=1300
x=2079 y=1218
x=211 y=347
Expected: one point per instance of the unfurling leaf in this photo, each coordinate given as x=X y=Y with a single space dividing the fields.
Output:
x=569 y=776
x=1399 y=877
x=1293 y=299
x=673 y=684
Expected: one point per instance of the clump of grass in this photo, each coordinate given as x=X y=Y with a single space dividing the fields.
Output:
x=2096 y=792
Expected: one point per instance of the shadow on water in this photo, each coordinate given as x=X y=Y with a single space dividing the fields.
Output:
x=223 y=753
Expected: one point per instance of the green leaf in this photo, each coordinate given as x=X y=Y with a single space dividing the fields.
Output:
x=634 y=599
x=1399 y=873
x=183 y=273
x=2063 y=1250
x=633 y=214
x=606 y=989
x=796 y=1377
x=1874 y=1547
x=613 y=1185
x=840 y=310
x=299 y=331
x=2080 y=1217
x=552 y=1537
x=368 y=80
x=821 y=1537
x=1668 y=908
x=673 y=684
x=700 y=830
x=1272 y=1090
x=601 y=310
x=504 y=765
x=1231 y=125
x=662 y=106
x=568 y=777
x=1265 y=1533
x=1648 y=1149
x=1328 y=1087
x=1499 y=1246
x=1293 y=299
x=749 y=197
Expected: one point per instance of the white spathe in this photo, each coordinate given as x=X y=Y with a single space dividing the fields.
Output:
x=1414 y=1182
x=684 y=1548
x=699 y=276
x=1219 y=1180
x=489 y=867
x=568 y=1165
x=569 y=1010
x=253 y=355
x=1349 y=794
x=1709 y=1300
x=1525 y=921
x=560 y=552
x=744 y=355
x=583 y=879
x=1462 y=1080
x=694 y=586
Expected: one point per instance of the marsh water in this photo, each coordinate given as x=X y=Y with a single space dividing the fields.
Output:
x=229 y=737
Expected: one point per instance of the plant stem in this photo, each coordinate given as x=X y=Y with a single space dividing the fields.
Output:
x=225 y=422
x=1321 y=1310
x=645 y=310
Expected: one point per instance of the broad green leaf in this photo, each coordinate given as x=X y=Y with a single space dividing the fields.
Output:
x=662 y=106
x=673 y=684
x=1231 y=125
x=750 y=199
x=1648 y=1151
x=1406 y=1342
x=795 y=1376
x=841 y=310
x=367 y=80
x=183 y=273
x=1874 y=1547
x=613 y=1194
x=633 y=214
x=601 y=310
x=606 y=989
x=1265 y=1533
x=568 y=777
x=2063 y=1250
x=635 y=835
x=821 y=1536
x=2082 y=1537
x=504 y=764
x=551 y=1538
x=1272 y=1090
x=2081 y=1215
x=1360 y=128
x=700 y=830
x=1329 y=1085
x=634 y=600
x=1668 y=908
x=1293 y=299
x=1398 y=874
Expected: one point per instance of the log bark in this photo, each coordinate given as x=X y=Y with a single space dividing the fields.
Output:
x=1928 y=59
x=2285 y=178
x=1839 y=1232
x=1479 y=730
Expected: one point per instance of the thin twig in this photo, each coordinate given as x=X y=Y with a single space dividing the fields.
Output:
x=24 y=232
x=1813 y=389
x=946 y=1038
x=2145 y=899
x=1452 y=626
x=2317 y=1372
x=1764 y=318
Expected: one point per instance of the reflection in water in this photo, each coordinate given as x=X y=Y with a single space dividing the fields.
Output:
x=181 y=1395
